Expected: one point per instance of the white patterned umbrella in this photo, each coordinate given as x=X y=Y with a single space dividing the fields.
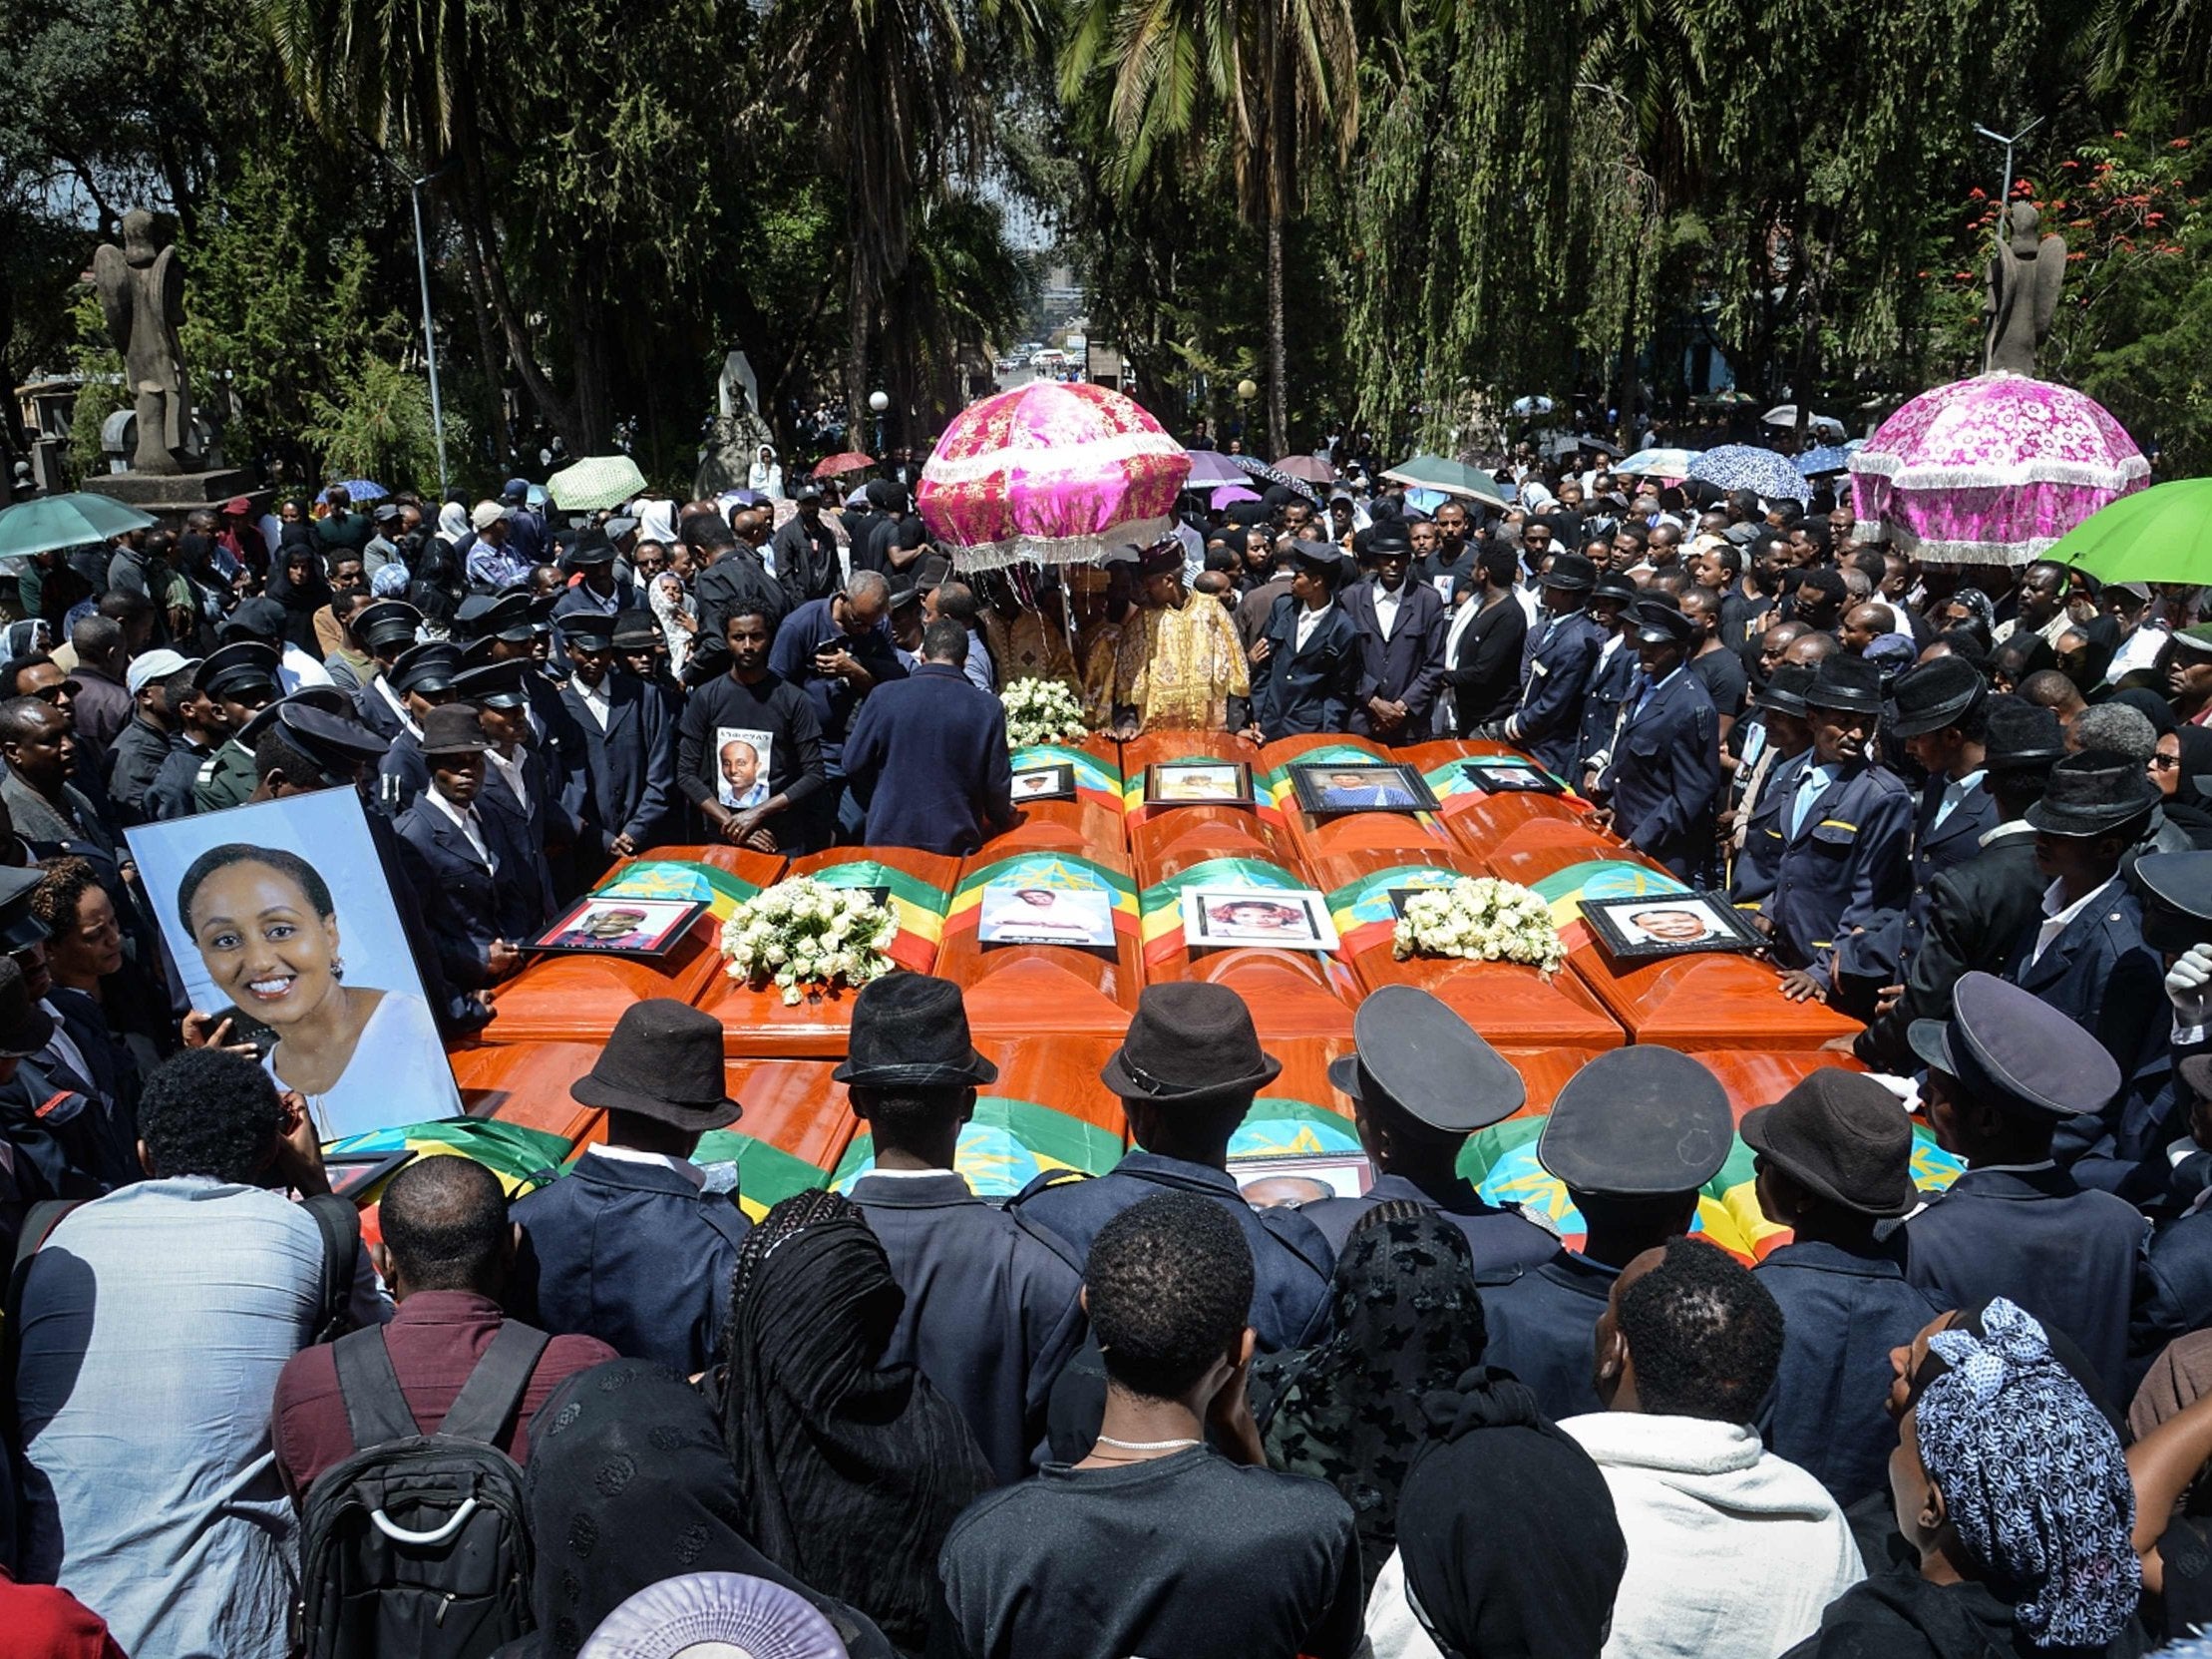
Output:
x=1747 y=467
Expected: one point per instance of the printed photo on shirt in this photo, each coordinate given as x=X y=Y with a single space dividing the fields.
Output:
x=608 y=925
x=1666 y=924
x=743 y=761
x=280 y=922
x=1291 y=918
x=1019 y=914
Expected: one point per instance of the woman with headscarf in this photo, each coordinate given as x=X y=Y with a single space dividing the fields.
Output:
x=453 y=523
x=1407 y=1320
x=627 y=1485
x=2009 y=1486
x=850 y=1472
x=297 y=583
x=2181 y=766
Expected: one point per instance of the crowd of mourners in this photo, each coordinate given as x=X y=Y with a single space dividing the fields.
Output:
x=1133 y=1413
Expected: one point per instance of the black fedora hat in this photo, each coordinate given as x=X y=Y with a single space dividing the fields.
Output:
x=2023 y=736
x=664 y=1061
x=1933 y=695
x=1842 y=1136
x=1189 y=1041
x=1572 y=573
x=909 y=1030
x=1417 y=1054
x=2094 y=793
x=1785 y=688
x=1849 y=683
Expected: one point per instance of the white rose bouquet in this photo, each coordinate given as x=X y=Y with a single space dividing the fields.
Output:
x=802 y=936
x=1480 y=919
x=1040 y=711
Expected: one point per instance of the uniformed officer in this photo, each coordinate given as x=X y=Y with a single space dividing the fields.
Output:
x=1421 y=1083
x=625 y=788
x=1611 y=600
x=422 y=680
x=69 y=1135
x=240 y=678
x=1555 y=664
x=1665 y=775
x=1187 y=1073
x=1783 y=734
x=302 y=745
x=1840 y=834
x=1307 y=661
x=1634 y=1135
x=386 y=629
x=1940 y=712
x=483 y=891
x=514 y=628
x=640 y=650
x=2003 y=1076
x=993 y=1300
x=1834 y=1156
x=517 y=786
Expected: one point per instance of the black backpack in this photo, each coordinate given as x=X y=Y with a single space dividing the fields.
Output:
x=419 y=1544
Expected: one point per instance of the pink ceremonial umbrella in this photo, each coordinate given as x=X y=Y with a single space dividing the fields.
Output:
x=1051 y=473
x=1991 y=471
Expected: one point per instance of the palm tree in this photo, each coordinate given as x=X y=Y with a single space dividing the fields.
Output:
x=1284 y=75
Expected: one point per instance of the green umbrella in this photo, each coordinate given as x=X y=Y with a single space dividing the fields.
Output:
x=1454 y=478
x=2163 y=533
x=72 y=521
x=596 y=481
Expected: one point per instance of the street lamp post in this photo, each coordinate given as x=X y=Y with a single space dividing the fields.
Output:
x=430 y=338
x=2004 y=184
x=879 y=401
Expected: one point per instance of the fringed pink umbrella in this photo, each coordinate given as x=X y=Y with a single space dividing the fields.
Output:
x=1050 y=474
x=1991 y=471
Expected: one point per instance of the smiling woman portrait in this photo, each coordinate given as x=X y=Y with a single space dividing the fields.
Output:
x=266 y=928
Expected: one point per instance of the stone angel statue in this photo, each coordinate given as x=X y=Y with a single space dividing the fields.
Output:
x=142 y=293
x=2025 y=278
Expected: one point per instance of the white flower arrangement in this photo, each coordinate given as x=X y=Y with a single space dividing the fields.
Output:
x=1040 y=711
x=1480 y=919
x=802 y=936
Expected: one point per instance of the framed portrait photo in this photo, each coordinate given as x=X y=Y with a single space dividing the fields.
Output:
x=1055 y=782
x=1200 y=782
x=1327 y=787
x=1014 y=912
x=1510 y=774
x=604 y=925
x=1667 y=925
x=1289 y=919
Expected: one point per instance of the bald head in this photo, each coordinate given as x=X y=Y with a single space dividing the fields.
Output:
x=1811 y=649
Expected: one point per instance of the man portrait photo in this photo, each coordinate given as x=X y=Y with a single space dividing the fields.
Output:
x=1670 y=925
x=1046 y=915
x=1353 y=787
x=742 y=763
x=608 y=928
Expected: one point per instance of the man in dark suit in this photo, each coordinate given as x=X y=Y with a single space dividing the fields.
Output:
x=423 y=680
x=629 y=1246
x=628 y=787
x=928 y=754
x=1940 y=712
x=519 y=794
x=1421 y=1083
x=2003 y=1079
x=1664 y=774
x=596 y=593
x=484 y=894
x=1980 y=909
x=993 y=1301
x=1400 y=625
x=1306 y=663
x=2087 y=960
x=1633 y=1134
x=1555 y=666
x=1605 y=686
x=1843 y=830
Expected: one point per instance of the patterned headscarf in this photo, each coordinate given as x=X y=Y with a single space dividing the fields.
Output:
x=2032 y=1480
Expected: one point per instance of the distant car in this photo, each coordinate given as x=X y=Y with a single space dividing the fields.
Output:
x=1048 y=361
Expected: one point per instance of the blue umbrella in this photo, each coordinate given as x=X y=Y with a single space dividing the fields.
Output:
x=361 y=489
x=1826 y=459
x=1747 y=467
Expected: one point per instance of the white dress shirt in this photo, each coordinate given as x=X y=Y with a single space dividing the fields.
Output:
x=513 y=772
x=2057 y=914
x=1308 y=621
x=595 y=700
x=1387 y=601
x=657 y=1160
x=466 y=818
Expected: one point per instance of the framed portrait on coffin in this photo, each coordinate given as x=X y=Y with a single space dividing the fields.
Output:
x=1510 y=775
x=281 y=923
x=1288 y=918
x=1326 y=788
x=605 y=925
x=1198 y=783
x=1657 y=925
x=1020 y=913
x=1055 y=782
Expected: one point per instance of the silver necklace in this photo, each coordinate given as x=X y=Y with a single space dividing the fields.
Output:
x=1145 y=1445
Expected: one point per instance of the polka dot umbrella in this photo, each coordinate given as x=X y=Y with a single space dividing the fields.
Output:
x=1050 y=474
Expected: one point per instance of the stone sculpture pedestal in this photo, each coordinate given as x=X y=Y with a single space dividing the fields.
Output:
x=172 y=496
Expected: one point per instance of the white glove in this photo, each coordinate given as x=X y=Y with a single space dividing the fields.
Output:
x=2189 y=986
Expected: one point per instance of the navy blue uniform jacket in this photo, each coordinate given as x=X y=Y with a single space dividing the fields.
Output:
x=928 y=756
x=1555 y=666
x=2072 y=1256
x=2101 y=975
x=991 y=1309
x=1847 y=866
x=628 y=782
x=2180 y=1294
x=1502 y=1240
x=401 y=774
x=1612 y=677
x=467 y=903
x=1936 y=848
x=1842 y=1313
x=1544 y=1326
x=534 y=831
x=1298 y=691
x=1291 y=1260
x=1666 y=774
x=1408 y=666
x=633 y=1254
